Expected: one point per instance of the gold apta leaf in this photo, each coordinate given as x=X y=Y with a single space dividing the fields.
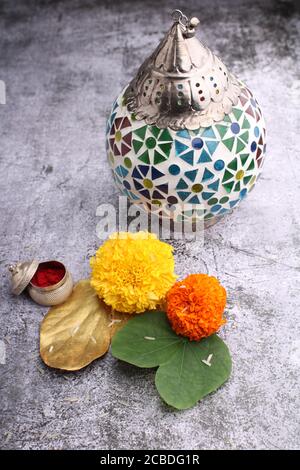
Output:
x=118 y=320
x=77 y=332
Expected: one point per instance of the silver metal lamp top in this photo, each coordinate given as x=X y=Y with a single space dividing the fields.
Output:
x=182 y=84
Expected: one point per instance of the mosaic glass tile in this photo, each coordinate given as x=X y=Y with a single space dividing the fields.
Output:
x=213 y=168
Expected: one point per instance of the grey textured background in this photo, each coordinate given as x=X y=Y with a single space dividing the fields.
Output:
x=63 y=63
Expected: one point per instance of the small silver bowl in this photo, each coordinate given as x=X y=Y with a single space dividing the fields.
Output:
x=22 y=275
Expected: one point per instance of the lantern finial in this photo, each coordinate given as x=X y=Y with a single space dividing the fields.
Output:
x=189 y=25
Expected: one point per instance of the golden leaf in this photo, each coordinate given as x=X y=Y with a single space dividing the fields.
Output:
x=118 y=320
x=77 y=332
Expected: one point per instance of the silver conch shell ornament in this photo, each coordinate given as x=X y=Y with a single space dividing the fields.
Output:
x=182 y=84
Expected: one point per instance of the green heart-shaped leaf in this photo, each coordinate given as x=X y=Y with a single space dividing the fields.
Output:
x=185 y=379
x=135 y=344
x=182 y=378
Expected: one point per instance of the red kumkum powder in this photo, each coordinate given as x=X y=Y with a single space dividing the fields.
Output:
x=48 y=274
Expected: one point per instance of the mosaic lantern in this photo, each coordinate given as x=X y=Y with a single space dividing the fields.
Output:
x=186 y=138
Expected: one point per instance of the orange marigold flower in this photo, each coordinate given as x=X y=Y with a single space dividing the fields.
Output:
x=195 y=306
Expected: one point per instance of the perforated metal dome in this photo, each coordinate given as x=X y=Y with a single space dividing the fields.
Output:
x=182 y=84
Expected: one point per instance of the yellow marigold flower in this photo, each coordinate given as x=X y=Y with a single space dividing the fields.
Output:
x=195 y=306
x=132 y=272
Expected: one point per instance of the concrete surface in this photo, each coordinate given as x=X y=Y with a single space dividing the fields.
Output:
x=63 y=63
